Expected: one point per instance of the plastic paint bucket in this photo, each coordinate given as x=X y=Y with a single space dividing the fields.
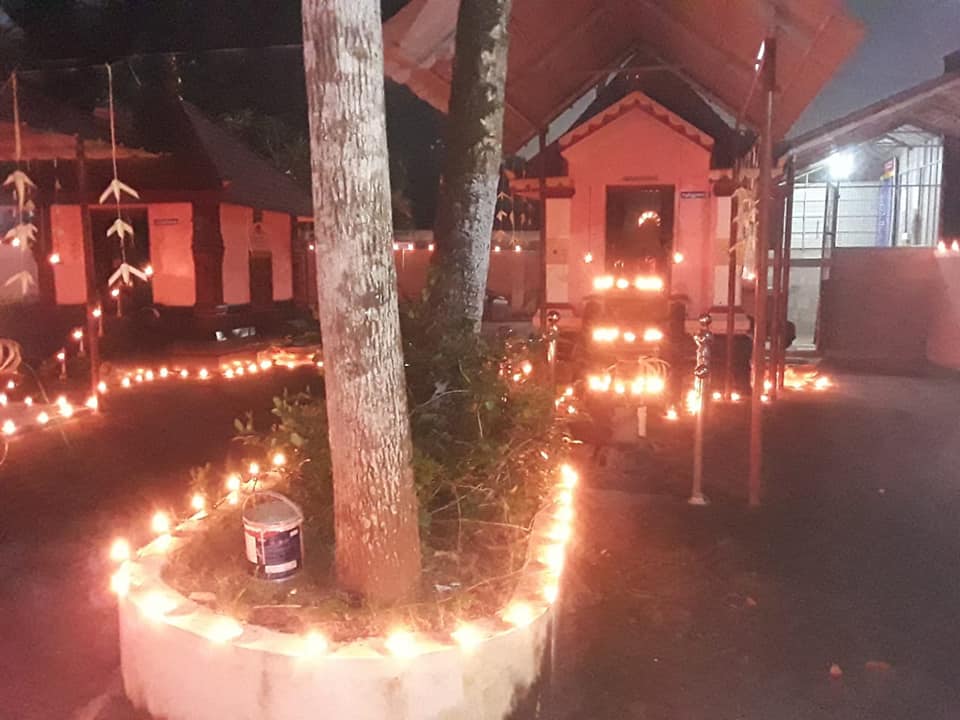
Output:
x=273 y=535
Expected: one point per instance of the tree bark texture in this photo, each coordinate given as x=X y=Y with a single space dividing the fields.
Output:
x=471 y=172
x=375 y=507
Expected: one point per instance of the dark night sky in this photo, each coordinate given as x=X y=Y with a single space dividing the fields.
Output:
x=905 y=44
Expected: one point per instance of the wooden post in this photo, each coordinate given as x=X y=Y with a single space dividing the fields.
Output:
x=764 y=183
x=542 y=145
x=90 y=274
x=731 y=300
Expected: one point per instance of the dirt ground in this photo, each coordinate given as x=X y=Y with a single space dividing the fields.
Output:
x=667 y=611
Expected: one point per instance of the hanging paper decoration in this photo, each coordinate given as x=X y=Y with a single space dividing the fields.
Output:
x=746 y=220
x=24 y=232
x=117 y=189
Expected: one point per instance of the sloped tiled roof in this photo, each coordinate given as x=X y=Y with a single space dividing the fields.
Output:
x=248 y=178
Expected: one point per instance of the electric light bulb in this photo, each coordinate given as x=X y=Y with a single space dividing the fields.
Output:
x=77 y=334
x=203 y=374
x=254 y=468
x=526 y=367
x=3 y=399
x=265 y=364
x=252 y=368
x=402 y=644
x=734 y=397
x=588 y=257
x=155 y=605
x=496 y=248
x=568 y=476
x=8 y=427
x=224 y=629
x=411 y=247
x=184 y=373
x=43 y=418
x=102 y=387
x=315 y=643
x=467 y=636
x=518 y=614
x=622 y=284
x=66 y=410
x=97 y=312
x=228 y=373
x=233 y=482
x=656 y=385
x=717 y=396
x=120 y=550
x=120 y=581
x=149 y=375
x=54 y=258
x=28 y=401
x=148 y=270
x=550 y=592
x=517 y=248
x=672 y=414
x=279 y=459
x=164 y=373
x=115 y=292
x=431 y=247
x=61 y=356
x=197 y=502
x=677 y=258
x=92 y=402
x=160 y=523
x=125 y=382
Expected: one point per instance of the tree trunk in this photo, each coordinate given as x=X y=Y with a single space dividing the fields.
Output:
x=468 y=189
x=375 y=507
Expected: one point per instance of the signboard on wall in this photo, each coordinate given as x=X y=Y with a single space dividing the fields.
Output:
x=885 y=210
x=693 y=194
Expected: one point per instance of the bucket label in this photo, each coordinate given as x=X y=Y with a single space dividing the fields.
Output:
x=277 y=554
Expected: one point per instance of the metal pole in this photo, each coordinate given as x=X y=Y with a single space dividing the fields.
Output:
x=542 y=143
x=90 y=275
x=704 y=339
x=785 y=270
x=763 y=248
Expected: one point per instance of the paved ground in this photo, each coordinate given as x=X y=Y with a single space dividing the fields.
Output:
x=668 y=611
x=63 y=497
x=724 y=613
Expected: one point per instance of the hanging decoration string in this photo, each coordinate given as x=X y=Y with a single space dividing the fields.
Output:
x=126 y=272
x=24 y=233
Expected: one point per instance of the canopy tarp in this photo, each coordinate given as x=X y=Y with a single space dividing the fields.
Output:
x=559 y=49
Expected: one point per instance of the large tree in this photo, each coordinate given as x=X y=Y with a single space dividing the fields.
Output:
x=376 y=532
x=471 y=171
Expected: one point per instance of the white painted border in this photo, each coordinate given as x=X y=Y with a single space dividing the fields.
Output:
x=174 y=670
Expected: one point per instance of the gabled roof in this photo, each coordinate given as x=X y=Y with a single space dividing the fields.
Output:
x=635 y=100
x=664 y=96
x=561 y=48
x=247 y=178
x=164 y=141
